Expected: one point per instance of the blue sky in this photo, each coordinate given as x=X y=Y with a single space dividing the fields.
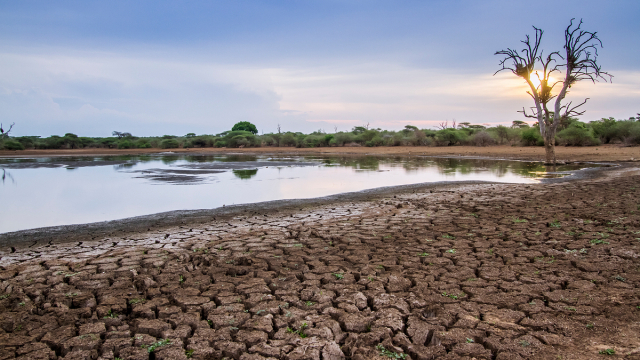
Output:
x=173 y=67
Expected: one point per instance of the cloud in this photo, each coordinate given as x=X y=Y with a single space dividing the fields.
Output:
x=95 y=93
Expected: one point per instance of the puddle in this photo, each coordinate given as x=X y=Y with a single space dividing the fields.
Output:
x=75 y=190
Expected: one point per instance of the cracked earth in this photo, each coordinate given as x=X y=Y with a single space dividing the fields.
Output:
x=487 y=271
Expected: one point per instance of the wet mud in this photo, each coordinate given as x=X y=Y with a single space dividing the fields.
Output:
x=472 y=271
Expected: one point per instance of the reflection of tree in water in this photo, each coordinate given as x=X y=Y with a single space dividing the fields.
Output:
x=358 y=163
x=245 y=174
x=6 y=175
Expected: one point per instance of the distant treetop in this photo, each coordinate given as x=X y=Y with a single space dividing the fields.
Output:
x=245 y=126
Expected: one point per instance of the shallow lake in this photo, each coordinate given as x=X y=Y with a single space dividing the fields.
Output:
x=39 y=192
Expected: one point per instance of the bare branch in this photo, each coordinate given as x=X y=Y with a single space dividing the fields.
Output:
x=533 y=116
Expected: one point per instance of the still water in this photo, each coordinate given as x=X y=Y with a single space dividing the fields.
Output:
x=74 y=190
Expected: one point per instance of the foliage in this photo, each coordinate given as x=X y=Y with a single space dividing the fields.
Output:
x=245 y=126
x=577 y=134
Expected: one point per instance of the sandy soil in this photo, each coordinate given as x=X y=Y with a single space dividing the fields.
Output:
x=598 y=153
x=486 y=271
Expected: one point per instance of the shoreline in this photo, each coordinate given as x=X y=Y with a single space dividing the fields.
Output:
x=593 y=153
x=144 y=223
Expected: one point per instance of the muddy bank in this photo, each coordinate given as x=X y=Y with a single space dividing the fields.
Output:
x=483 y=271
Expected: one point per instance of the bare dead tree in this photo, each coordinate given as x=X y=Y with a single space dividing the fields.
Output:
x=278 y=128
x=335 y=129
x=578 y=63
x=367 y=126
x=443 y=125
x=5 y=133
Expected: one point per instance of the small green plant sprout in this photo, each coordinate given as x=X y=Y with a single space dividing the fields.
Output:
x=490 y=251
x=309 y=303
x=210 y=323
x=110 y=315
x=71 y=294
x=380 y=267
x=22 y=303
x=299 y=332
x=423 y=254
x=151 y=348
x=4 y=296
x=71 y=274
x=570 y=251
x=371 y=278
x=117 y=358
x=453 y=296
x=387 y=237
x=598 y=242
x=607 y=352
x=298 y=245
x=555 y=224
x=390 y=354
x=189 y=353
x=518 y=220
x=447 y=236
x=524 y=343
x=620 y=278
x=474 y=215
x=451 y=251
x=589 y=326
x=339 y=276
x=181 y=280
x=137 y=301
x=470 y=340
x=602 y=235
x=583 y=251
x=570 y=308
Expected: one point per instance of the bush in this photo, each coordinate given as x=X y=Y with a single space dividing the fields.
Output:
x=343 y=138
x=13 y=145
x=532 y=137
x=125 y=144
x=169 y=144
x=482 y=138
x=446 y=137
x=288 y=139
x=577 y=134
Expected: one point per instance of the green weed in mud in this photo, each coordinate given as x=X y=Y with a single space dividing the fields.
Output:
x=423 y=254
x=390 y=354
x=309 y=303
x=189 y=353
x=339 y=276
x=453 y=296
x=136 y=301
x=607 y=352
x=450 y=237
x=451 y=251
x=151 y=348
x=110 y=315
x=518 y=220
x=598 y=242
x=555 y=224
x=299 y=332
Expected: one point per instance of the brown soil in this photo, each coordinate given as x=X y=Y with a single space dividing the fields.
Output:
x=597 y=153
x=490 y=271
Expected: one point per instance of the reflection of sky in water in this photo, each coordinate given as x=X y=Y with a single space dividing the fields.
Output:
x=38 y=197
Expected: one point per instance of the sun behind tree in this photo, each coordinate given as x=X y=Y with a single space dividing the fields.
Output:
x=245 y=126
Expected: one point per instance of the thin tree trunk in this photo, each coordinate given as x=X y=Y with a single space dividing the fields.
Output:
x=550 y=149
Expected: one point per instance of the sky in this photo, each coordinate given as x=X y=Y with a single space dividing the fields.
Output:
x=174 y=67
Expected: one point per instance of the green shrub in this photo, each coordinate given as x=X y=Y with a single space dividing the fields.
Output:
x=220 y=143
x=446 y=137
x=577 y=134
x=13 y=145
x=288 y=139
x=125 y=144
x=532 y=137
x=169 y=144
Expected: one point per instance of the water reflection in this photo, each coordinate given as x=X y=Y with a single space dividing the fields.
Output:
x=149 y=182
x=245 y=174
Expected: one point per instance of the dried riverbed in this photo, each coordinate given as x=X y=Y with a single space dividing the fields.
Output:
x=485 y=271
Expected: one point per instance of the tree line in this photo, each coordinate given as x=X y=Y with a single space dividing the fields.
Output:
x=570 y=132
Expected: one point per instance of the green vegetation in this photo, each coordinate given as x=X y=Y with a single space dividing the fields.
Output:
x=339 y=276
x=571 y=132
x=390 y=354
x=607 y=352
x=299 y=332
x=151 y=348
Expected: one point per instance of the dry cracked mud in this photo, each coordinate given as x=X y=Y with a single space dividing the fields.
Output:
x=469 y=272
